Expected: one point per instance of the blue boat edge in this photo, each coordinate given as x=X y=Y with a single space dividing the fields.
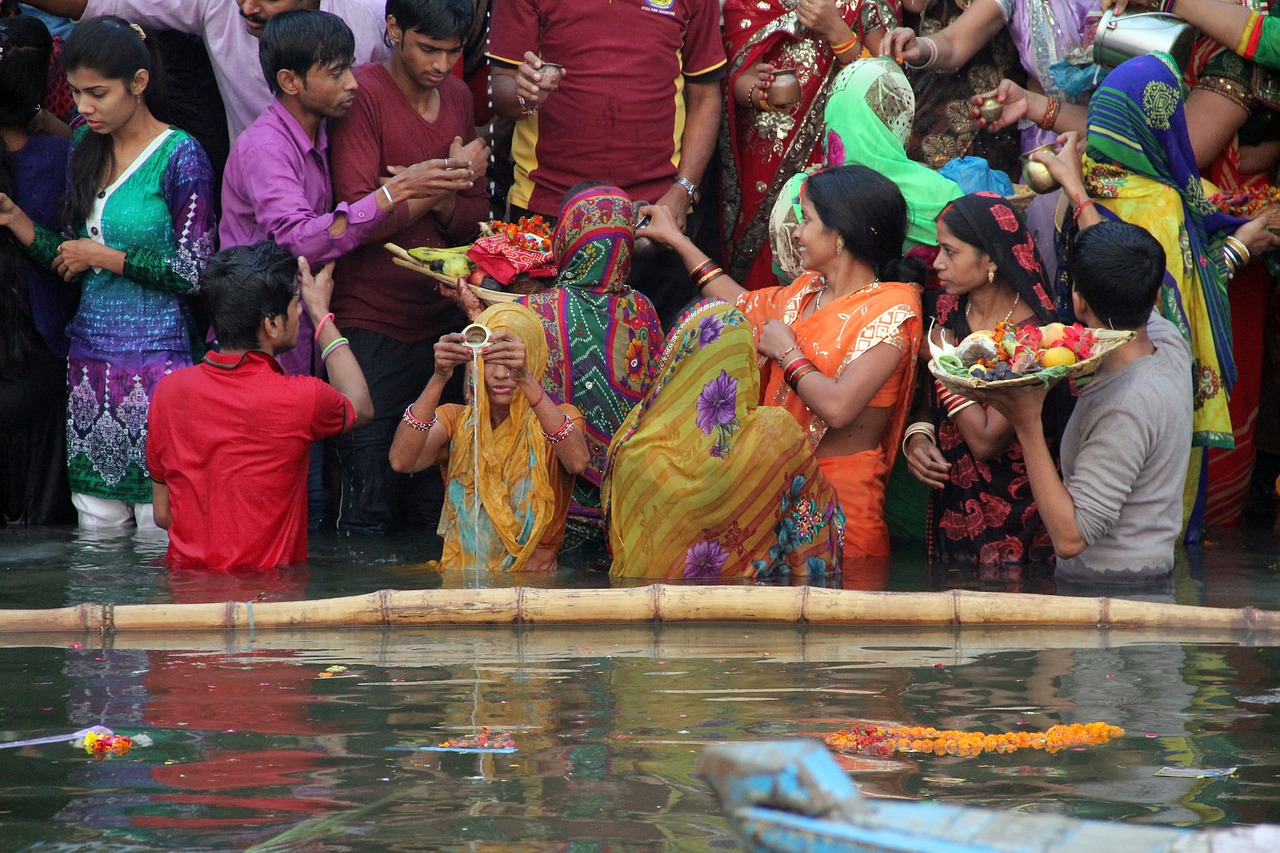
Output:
x=792 y=796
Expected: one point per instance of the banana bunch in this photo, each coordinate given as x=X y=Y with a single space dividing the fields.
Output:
x=452 y=261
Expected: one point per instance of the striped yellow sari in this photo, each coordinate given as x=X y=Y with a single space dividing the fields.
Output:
x=702 y=482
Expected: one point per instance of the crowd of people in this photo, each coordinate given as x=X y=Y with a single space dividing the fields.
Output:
x=764 y=215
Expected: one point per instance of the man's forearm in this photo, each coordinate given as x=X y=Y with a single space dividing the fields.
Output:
x=1057 y=508
x=702 y=124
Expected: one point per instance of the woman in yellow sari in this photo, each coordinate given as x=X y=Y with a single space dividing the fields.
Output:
x=510 y=458
x=703 y=482
x=837 y=346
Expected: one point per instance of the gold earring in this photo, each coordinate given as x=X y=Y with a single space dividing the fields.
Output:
x=991 y=275
x=839 y=245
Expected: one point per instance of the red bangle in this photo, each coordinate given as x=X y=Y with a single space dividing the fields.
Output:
x=1050 y=113
x=325 y=319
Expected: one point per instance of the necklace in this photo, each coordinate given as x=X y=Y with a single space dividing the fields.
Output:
x=817 y=303
x=968 y=309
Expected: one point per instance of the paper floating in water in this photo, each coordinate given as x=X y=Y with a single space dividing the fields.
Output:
x=1271 y=697
x=1196 y=772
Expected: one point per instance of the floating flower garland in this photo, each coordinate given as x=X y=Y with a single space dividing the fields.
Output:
x=99 y=745
x=880 y=740
x=485 y=739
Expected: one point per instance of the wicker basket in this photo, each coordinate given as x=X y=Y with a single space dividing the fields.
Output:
x=1107 y=340
x=487 y=296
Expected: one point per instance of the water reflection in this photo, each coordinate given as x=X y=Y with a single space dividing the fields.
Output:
x=257 y=744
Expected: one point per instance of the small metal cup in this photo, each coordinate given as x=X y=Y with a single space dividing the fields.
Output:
x=643 y=245
x=784 y=91
x=476 y=335
x=991 y=109
x=551 y=74
x=1037 y=174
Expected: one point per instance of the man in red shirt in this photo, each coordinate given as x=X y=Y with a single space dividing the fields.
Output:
x=228 y=439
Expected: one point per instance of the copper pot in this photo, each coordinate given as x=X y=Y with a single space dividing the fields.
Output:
x=784 y=91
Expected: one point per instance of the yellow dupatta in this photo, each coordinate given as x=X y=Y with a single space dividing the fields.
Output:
x=517 y=502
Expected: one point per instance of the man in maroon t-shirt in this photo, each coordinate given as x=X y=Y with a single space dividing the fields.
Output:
x=631 y=97
x=228 y=439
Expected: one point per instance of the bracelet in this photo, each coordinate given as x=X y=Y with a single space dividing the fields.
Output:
x=1166 y=6
x=696 y=272
x=709 y=276
x=1233 y=260
x=1250 y=36
x=1237 y=244
x=919 y=428
x=336 y=343
x=420 y=426
x=953 y=403
x=534 y=404
x=525 y=111
x=933 y=56
x=801 y=373
x=845 y=47
x=325 y=319
x=387 y=193
x=1075 y=217
x=561 y=434
x=783 y=357
x=798 y=368
x=1050 y=113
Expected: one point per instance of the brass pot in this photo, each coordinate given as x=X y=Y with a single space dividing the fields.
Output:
x=1036 y=173
x=784 y=91
x=475 y=335
x=991 y=109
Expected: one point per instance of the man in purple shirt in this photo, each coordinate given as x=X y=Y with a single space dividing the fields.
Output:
x=277 y=185
x=230 y=29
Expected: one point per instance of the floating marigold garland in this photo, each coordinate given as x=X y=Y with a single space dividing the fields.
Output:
x=484 y=739
x=880 y=740
x=98 y=744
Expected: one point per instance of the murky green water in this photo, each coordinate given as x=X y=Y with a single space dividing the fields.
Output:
x=256 y=745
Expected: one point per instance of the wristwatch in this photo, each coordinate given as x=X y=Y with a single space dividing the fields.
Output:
x=692 y=189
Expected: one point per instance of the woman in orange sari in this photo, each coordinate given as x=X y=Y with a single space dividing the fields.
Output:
x=837 y=346
x=761 y=145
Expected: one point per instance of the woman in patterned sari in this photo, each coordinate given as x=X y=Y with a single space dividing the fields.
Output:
x=140 y=206
x=602 y=337
x=760 y=147
x=838 y=345
x=981 y=510
x=703 y=482
x=1139 y=167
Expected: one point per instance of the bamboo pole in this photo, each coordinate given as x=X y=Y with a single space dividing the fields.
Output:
x=655 y=603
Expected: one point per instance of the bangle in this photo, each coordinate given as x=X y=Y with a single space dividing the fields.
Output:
x=325 y=319
x=696 y=272
x=1237 y=244
x=336 y=343
x=952 y=402
x=1050 y=113
x=420 y=426
x=561 y=434
x=845 y=47
x=383 y=189
x=709 y=276
x=1250 y=36
x=919 y=428
x=798 y=368
x=933 y=56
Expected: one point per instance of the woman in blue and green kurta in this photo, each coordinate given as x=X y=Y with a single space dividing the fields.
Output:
x=139 y=204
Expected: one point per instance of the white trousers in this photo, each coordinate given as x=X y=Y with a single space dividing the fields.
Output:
x=103 y=514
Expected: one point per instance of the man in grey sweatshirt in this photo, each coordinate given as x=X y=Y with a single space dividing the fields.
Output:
x=1116 y=512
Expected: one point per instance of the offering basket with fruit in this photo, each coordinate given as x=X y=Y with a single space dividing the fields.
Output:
x=1015 y=356
x=450 y=265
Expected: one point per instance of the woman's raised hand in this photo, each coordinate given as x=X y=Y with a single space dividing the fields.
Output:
x=1011 y=96
x=823 y=17
x=450 y=352
x=506 y=349
x=662 y=227
x=901 y=45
